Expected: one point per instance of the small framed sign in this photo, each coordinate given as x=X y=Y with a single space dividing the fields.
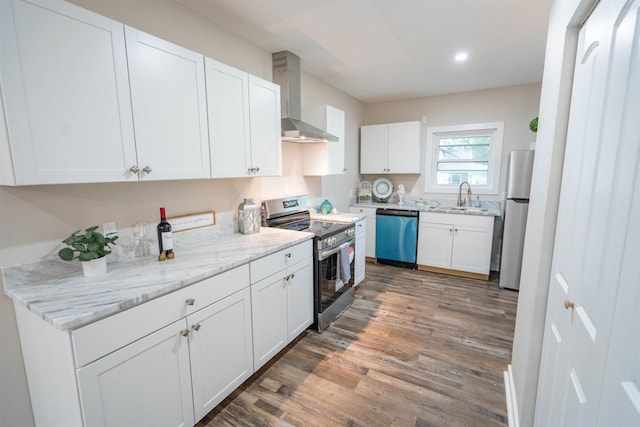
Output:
x=191 y=221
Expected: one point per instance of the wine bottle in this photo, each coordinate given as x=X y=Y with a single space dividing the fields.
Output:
x=165 y=238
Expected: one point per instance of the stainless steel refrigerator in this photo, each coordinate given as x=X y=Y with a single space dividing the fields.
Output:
x=515 y=217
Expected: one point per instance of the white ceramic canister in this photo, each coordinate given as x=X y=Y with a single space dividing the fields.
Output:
x=248 y=217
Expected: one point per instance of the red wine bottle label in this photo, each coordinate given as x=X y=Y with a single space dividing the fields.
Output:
x=167 y=241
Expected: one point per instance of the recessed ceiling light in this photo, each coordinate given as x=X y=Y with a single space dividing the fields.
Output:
x=462 y=56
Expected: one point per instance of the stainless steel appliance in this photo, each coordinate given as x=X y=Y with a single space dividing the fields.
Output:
x=333 y=255
x=397 y=237
x=515 y=217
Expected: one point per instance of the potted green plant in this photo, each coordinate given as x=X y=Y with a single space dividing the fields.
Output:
x=90 y=247
x=533 y=125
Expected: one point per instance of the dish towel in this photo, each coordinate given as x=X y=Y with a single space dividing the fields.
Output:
x=345 y=267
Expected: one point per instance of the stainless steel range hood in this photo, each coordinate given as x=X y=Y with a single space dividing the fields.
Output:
x=286 y=73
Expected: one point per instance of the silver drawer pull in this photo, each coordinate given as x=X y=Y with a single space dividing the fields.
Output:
x=190 y=301
x=196 y=327
x=134 y=169
x=147 y=169
x=184 y=332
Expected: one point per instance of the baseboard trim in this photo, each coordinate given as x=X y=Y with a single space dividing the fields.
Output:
x=510 y=394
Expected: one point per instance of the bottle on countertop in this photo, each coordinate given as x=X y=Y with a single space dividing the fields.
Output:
x=477 y=205
x=165 y=238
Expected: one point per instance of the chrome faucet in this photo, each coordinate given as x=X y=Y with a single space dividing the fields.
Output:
x=464 y=201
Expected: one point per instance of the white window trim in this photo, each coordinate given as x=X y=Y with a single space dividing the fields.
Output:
x=495 y=157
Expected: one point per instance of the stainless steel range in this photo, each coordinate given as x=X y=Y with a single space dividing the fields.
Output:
x=333 y=255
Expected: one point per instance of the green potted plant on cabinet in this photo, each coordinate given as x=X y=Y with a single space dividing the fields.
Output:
x=90 y=247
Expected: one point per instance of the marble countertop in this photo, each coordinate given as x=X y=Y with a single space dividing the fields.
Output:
x=58 y=292
x=338 y=217
x=487 y=208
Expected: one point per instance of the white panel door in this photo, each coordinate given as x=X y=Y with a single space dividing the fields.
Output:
x=66 y=93
x=169 y=108
x=404 y=148
x=228 y=112
x=220 y=345
x=621 y=390
x=599 y=189
x=299 y=298
x=147 y=383
x=264 y=113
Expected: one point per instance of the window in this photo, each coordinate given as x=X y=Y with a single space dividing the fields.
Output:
x=470 y=153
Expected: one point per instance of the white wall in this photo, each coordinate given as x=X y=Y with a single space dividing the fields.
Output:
x=35 y=218
x=513 y=105
x=566 y=16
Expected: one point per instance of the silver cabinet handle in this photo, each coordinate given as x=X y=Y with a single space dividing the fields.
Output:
x=196 y=327
x=190 y=301
x=288 y=255
x=258 y=169
x=134 y=169
x=147 y=169
x=184 y=332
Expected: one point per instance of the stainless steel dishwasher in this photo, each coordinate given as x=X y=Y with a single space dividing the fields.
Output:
x=397 y=237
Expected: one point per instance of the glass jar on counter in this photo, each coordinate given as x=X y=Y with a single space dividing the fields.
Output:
x=248 y=217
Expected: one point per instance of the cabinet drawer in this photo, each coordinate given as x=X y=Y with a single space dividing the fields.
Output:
x=271 y=264
x=104 y=336
x=361 y=227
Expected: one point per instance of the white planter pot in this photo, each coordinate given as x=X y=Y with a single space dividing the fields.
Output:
x=95 y=267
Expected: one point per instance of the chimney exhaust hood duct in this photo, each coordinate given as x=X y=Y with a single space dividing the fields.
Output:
x=286 y=73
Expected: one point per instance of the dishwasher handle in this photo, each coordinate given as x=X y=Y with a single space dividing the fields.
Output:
x=397 y=212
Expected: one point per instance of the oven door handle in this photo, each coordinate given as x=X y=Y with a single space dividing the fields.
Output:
x=326 y=254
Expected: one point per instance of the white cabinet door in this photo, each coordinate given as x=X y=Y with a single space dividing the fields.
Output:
x=299 y=298
x=590 y=370
x=373 y=148
x=269 y=309
x=326 y=158
x=169 y=108
x=335 y=125
x=435 y=244
x=361 y=243
x=66 y=94
x=228 y=112
x=147 y=383
x=264 y=113
x=404 y=148
x=220 y=344
x=471 y=249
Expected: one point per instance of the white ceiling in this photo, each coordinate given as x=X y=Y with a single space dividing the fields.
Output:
x=380 y=50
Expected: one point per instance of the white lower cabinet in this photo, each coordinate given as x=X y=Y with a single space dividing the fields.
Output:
x=146 y=383
x=282 y=297
x=175 y=376
x=361 y=243
x=455 y=242
x=171 y=360
x=370 y=248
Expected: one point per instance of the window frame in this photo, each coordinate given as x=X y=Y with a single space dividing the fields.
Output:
x=435 y=133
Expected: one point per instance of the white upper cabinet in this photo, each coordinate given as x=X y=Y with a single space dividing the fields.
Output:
x=264 y=116
x=228 y=112
x=169 y=108
x=326 y=158
x=66 y=95
x=244 y=123
x=390 y=148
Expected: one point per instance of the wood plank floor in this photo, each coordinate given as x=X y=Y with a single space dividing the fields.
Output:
x=415 y=349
